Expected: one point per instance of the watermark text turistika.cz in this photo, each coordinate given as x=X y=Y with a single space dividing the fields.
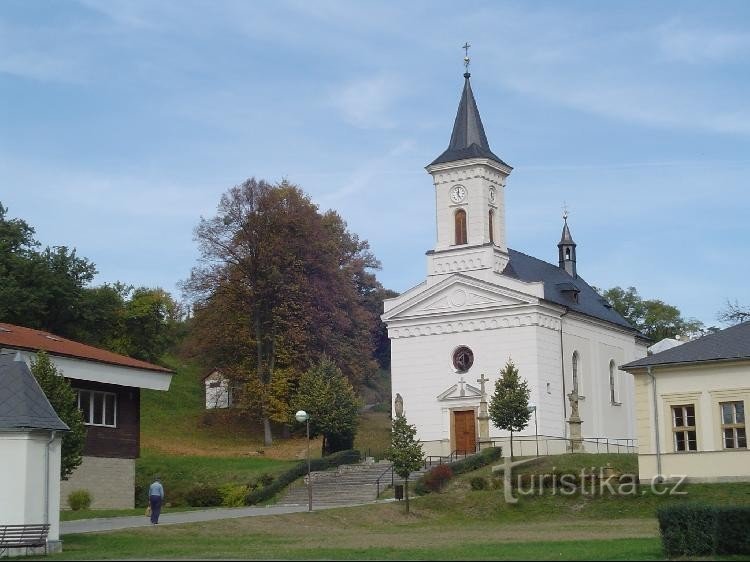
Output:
x=588 y=482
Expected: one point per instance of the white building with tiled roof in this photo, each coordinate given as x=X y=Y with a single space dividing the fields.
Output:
x=484 y=303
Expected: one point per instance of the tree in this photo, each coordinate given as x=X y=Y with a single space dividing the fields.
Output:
x=734 y=313
x=653 y=318
x=280 y=285
x=40 y=288
x=406 y=452
x=63 y=399
x=329 y=398
x=509 y=404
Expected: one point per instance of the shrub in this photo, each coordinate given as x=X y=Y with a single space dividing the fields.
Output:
x=687 y=529
x=732 y=535
x=483 y=458
x=233 y=495
x=299 y=470
x=203 y=496
x=436 y=478
x=265 y=479
x=79 y=499
x=479 y=483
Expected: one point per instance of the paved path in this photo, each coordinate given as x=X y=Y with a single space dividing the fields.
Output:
x=117 y=523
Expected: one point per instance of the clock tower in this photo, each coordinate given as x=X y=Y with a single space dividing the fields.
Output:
x=469 y=184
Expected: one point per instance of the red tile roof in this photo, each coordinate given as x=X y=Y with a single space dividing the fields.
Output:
x=18 y=337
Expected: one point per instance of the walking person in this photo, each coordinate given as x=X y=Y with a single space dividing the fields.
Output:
x=155 y=499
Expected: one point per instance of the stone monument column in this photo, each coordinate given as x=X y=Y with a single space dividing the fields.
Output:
x=483 y=418
x=574 y=422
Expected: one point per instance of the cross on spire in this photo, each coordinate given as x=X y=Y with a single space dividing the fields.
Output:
x=467 y=60
x=566 y=214
x=462 y=391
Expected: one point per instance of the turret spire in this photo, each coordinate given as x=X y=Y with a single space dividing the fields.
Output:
x=566 y=248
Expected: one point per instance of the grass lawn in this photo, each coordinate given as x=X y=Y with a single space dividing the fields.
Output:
x=373 y=434
x=457 y=523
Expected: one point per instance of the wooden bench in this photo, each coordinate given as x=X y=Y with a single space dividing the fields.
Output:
x=23 y=536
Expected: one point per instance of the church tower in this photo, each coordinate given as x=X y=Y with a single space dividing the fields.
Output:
x=469 y=182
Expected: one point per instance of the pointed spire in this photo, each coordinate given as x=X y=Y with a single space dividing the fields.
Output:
x=468 y=139
x=566 y=249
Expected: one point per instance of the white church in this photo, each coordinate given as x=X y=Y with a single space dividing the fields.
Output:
x=483 y=303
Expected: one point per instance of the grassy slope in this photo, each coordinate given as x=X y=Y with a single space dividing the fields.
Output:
x=189 y=447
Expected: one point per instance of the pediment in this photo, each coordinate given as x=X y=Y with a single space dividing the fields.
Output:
x=459 y=295
x=460 y=391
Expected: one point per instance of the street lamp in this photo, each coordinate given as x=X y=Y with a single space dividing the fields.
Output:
x=303 y=417
x=536 y=429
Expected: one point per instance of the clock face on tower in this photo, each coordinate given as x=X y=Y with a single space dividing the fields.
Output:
x=458 y=193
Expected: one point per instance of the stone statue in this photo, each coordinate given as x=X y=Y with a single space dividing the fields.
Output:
x=399 y=405
x=573 y=397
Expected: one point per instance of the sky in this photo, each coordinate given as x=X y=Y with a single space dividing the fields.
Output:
x=123 y=122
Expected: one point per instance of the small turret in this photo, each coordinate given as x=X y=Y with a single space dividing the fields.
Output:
x=567 y=249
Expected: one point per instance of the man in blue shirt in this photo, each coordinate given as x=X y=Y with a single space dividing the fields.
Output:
x=155 y=499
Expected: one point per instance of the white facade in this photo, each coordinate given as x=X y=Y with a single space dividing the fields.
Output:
x=218 y=391
x=469 y=300
x=30 y=477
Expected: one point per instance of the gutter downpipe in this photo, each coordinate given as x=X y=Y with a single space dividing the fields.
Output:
x=562 y=370
x=46 y=476
x=656 y=423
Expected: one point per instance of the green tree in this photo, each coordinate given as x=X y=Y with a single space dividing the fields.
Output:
x=509 y=404
x=652 y=317
x=329 y=398
x=63 y=399
x=406 y=451
x=40 y=288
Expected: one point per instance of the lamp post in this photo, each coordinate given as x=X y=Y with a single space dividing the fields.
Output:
x=536 y=429
x=303 y=417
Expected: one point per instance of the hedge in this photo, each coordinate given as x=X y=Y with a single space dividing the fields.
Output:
x=702 y=530
x=298 y=471
x=468 y=464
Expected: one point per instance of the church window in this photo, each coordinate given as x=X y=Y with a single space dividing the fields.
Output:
x=613 y=383
x=492 y=226
x=567 y=253
x=576 y=361
x=463 y=359
x=461 y=234
x=733 y=425
x=684 y=429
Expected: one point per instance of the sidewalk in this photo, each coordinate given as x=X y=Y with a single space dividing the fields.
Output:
x=118 y=523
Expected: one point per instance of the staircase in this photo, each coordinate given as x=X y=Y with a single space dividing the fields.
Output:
x=346 y=485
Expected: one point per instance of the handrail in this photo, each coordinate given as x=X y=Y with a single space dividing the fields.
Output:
x=377 y=482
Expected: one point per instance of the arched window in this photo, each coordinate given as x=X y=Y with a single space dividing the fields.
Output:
x=461 y=237
x=567 y=253
x=492 y=226
x=613 y=382
x=576 y=360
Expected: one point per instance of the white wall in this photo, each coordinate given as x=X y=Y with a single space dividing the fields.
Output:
x=23 y=483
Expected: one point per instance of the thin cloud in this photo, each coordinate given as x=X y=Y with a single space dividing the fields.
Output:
x=369 y=103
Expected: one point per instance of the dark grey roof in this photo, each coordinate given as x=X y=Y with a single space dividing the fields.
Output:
x=725 y=345
x=560 y=288
x=23 y=404
x=468 y=139
x=566 y=238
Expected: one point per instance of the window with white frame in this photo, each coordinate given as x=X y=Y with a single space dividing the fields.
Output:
x=683 y=428
x=98 y=408
x=733 y=425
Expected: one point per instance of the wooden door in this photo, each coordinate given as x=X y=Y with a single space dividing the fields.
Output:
x=466 y=432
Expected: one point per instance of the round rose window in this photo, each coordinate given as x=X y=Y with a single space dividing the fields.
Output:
x=463 y=359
